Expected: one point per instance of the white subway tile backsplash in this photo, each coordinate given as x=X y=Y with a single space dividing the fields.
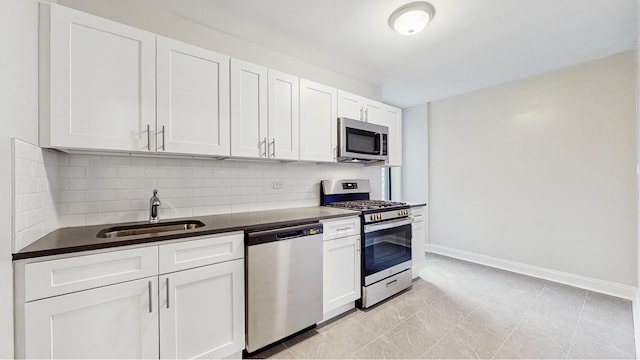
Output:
x=63 y=190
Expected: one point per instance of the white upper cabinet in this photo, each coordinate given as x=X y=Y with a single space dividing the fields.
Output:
x=350 y=106
x=264 y=112
x=318 y=121
x=359 y=108
x=193 y=99
x=248 y=109
x=97 y=82
x=284 y=116
x=392 y=118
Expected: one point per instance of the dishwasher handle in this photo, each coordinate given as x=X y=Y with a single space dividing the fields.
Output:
x=257 y=237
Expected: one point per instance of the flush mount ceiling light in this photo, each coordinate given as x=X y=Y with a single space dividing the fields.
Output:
x=411 y=18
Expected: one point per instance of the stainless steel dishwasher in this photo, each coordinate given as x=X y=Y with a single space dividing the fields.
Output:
x=284 y=282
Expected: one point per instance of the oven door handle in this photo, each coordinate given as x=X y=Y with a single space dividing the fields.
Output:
x=387 y=225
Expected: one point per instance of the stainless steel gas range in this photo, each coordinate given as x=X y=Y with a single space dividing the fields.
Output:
x=386 y=237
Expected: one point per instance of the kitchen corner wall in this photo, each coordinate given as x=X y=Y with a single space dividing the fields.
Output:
x=541 y=172
x=55 y=189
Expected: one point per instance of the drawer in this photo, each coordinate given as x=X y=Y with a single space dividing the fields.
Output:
x=337 y=228
x=61 y=276
x=417 y=213
x=200 y=251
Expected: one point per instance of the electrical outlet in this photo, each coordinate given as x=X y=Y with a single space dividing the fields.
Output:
x=278 y=184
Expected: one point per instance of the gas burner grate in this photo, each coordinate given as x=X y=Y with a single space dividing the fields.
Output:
x=367 y=204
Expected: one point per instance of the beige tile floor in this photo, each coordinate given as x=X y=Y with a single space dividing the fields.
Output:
x=460 y=310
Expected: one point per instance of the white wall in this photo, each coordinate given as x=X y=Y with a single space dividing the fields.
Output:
x=18 y=117
x=541 y=171
x=143 y=15
x=415 y=154
x=636 y=300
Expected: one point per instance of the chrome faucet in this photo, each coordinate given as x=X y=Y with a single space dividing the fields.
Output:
x=154 y=202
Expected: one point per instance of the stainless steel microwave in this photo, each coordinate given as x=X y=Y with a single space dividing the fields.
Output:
x=360 y=141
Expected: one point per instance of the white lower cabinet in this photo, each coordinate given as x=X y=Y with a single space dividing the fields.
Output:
x=418 y=236
x=188 y=312
x=341 y=272
x=202 y=312
x=115 y=321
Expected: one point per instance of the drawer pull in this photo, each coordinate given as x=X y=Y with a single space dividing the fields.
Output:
x=344 y=228
x=150 y=298
x=148 y=137
x=391 y=283
x=167 y=283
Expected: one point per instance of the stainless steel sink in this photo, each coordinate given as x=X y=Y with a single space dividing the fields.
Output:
x=141 y=229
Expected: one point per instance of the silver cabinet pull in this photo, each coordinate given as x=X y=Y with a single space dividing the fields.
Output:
x=390 y=283
x=148 y=137
x=264 y=141
x=366 y=115
x=273 y=147
x=167 y=283
x=163 y=138
x=150 y=298
x=343 y=228
x=335 y=153
x=361 y=116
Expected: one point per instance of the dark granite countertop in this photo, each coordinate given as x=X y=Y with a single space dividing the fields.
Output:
x=416 y=204
x=83 y=238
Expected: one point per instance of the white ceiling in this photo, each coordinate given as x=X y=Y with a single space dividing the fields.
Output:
x=470 y=44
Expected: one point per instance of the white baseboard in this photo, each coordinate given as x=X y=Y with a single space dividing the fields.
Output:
x=583 y=282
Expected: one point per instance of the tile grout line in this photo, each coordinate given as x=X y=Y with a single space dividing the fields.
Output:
x=450 y=330
x=520 y=320
x=575 y=331
x=379 y=337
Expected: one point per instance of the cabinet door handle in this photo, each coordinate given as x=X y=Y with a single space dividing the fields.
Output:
x=358 y=245
x=366 y=115
x=167 y=284
x=150 y=298
x=163 y=149
x=343 y=228
x=273 y=147
x=264 y=141
x=361 y=116
x=148 y=137
x=335 y=153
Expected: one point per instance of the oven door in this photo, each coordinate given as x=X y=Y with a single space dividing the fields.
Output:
x=387 y=249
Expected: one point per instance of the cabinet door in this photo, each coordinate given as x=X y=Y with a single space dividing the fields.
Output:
x=373 y=111
x=392 y=118
x=341 y=271
x=284 y=116
x=193 y=99
x=418 y=239
x=350 y=106
x=115 y=321
x=101 y=83
x=248 y=109
x=318 y=122
x=202 y=312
